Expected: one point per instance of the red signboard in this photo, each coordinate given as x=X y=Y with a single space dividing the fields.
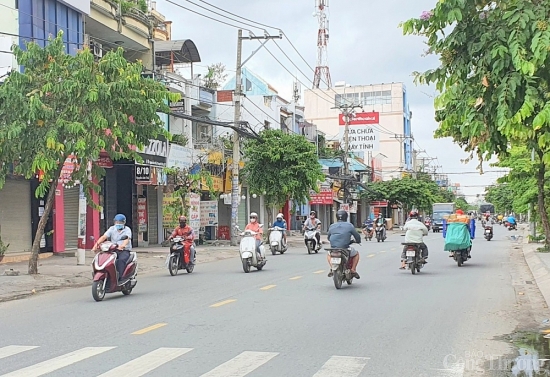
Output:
x=142 y=214
x=379 y=204
x=324 y=197
x=361 y=119
x=105 y=162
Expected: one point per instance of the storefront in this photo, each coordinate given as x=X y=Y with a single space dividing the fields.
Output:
x=323 y=204
x=15 y=215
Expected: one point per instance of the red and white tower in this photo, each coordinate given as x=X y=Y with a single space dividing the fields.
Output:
x=322 y=71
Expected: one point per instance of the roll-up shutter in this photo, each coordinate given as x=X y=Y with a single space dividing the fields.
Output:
x=152 y=214
x=70 y=202
x=15 y=215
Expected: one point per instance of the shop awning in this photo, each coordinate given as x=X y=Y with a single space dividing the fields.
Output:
x=180 y=51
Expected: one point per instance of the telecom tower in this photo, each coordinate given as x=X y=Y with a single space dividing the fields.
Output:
x=321 y=12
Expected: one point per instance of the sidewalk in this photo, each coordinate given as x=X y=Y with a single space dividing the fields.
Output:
x=539 y=263
x=61 y=271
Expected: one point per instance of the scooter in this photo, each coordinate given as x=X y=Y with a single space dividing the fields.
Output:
x=488 y=233
x=176 y=259
x=368 y=232
x=247 y=250
x=105 y=275
x=341 y=266
x=414 y=259
x=311 y=240
x=460 y=256
x=380 y=233
x=428 y=224
x=276 y=240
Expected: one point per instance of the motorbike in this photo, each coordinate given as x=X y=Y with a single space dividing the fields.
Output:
x=488 y=233
x=428 y=224
x=247 y=250
x=368 y=232
x=276 y=241
x=341 y=266
x=414 y=257
x=460 y=256
x=311 y=240
x=105 y=275
x=380 y=234
x=512 y=226
x=176 y=260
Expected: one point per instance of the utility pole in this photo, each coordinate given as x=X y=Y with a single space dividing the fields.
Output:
x=235 y=195
x=347 y=112
x=401 y=139
x=532 y=225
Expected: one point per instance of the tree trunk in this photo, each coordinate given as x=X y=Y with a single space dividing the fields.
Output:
x=33 y=261
x=269 y=208
x=542 y=199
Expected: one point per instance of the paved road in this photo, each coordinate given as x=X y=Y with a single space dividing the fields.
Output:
x=287 y=320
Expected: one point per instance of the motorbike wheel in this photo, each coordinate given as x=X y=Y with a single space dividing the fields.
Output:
x=349 y=281
x=190 y=268
x=246 y=266
x=273 y=251
x=173 y=266
x=98 y=293
x=459 y=259
x=309 y=248
x=412 y=266
x=337 y=277
x=127 y=290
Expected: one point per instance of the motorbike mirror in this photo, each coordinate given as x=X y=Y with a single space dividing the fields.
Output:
x=124 y=238
x=261 y=225
x=92 y=238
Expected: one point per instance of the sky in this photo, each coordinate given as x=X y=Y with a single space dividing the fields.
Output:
x=366 y=46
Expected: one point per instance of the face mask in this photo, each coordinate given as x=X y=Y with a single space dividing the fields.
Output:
x=119 y=226
x=253 y=220
x=182 y=224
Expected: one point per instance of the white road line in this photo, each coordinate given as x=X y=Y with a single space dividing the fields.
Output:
x=454 y=370
x=242 y=364
x=14 y=350
x=342 y=366
x=146 y=363
x=56 y=363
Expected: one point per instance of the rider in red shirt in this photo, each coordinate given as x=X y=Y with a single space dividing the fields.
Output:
x=185 y=231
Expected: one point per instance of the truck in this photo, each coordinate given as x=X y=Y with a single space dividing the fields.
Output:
x=439 y=210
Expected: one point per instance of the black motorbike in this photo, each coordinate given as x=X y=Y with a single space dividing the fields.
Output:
x=488 y=233
x=176 y=261
x=461 y=256
x=414 y=258
x=341 y=266
x=380 y=233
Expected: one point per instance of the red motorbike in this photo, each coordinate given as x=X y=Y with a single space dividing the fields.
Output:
x=428 y=224
x=106 y=279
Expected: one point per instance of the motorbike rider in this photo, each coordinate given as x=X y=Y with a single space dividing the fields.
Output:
x=415 y=234
x=188 y=234
x=254 y=226
x=314 y=222
x=115 y=234
x=512 y=221
x=383 y=223
x=339 y=236
x=369 y=223
x=280 y=223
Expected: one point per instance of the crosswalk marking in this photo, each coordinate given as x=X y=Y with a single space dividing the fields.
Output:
x=146 y=363
x=59 y=362
x=342 y=366
x=242 y=364
x=14 y=350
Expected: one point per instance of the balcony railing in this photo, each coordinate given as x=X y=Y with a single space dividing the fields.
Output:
x=206 y=96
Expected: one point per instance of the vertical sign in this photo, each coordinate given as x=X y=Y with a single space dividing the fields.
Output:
x=142 y=214
x=194 y=212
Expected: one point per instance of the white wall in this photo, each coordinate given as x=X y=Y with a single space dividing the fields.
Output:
x=9 y=23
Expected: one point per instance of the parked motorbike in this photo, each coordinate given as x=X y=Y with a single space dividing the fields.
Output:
x=414 y=257
x=176 y=259
x=276 y=240
x=488 y=232
x=105 y=275
x=341 y=266
x=380 y=234
x=311 y=240
x=247 y=250
x=460 y=256
x=368 y=232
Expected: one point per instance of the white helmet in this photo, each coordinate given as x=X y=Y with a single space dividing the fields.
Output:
x=253 y=214
x=280 y=216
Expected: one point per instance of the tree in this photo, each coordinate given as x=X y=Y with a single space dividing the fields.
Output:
x=494 y=77
x=71 y=107
x=461 y=203
x=215 y=77
x=282 y=165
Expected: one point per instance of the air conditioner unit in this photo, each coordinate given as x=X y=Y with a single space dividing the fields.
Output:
x=97 y=49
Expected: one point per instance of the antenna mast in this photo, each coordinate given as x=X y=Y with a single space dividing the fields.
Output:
x=322 y=70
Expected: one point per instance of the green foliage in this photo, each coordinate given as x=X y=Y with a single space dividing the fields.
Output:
x=409 y=192
x=142 y=5
x=215 y=77
x=446 y=196
x=502 y=197
x=71 y=106
x=285 y=166
x=461 y=203
x=3 y=247
x=180 y=139
x=493 y=78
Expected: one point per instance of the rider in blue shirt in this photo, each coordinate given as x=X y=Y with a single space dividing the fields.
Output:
x=281 y=223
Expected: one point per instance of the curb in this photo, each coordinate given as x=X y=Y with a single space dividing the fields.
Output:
x=22 y=258
x=541 y=273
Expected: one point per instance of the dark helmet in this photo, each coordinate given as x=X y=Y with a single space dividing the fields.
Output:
x=342 y=215
x=413 y=214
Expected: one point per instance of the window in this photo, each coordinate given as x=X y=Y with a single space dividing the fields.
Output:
x=376 y=98
x=267 y=101
x=248 y=85
x=266 y=125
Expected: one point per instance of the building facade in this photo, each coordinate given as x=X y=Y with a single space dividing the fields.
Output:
x=390 y=133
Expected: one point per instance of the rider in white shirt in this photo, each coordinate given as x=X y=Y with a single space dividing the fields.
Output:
x=415 y=234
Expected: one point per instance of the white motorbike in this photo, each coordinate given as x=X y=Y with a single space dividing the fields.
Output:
x=276 y=240
x=247 y=249
x=311 y=240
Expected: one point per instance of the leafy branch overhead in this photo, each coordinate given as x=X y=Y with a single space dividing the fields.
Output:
x=494 y=77
x=284 y=166
x=63 y=106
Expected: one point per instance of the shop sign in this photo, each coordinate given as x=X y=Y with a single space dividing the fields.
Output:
x=324 y=197
x=194 y=205
x=143 y=174
x=105 y=162
x=155 y=153
x=142 y=214
x=209 y=213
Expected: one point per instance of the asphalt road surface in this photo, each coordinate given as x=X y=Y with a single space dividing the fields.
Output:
x=286 y=320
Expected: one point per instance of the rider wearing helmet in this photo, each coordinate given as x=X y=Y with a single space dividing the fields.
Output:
x=339 y=235
x=382 y=223
x=281 y=223
x=188 y=234
x=115 y=234
x=415 y=234
x=313 y=222
x=254 y=226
